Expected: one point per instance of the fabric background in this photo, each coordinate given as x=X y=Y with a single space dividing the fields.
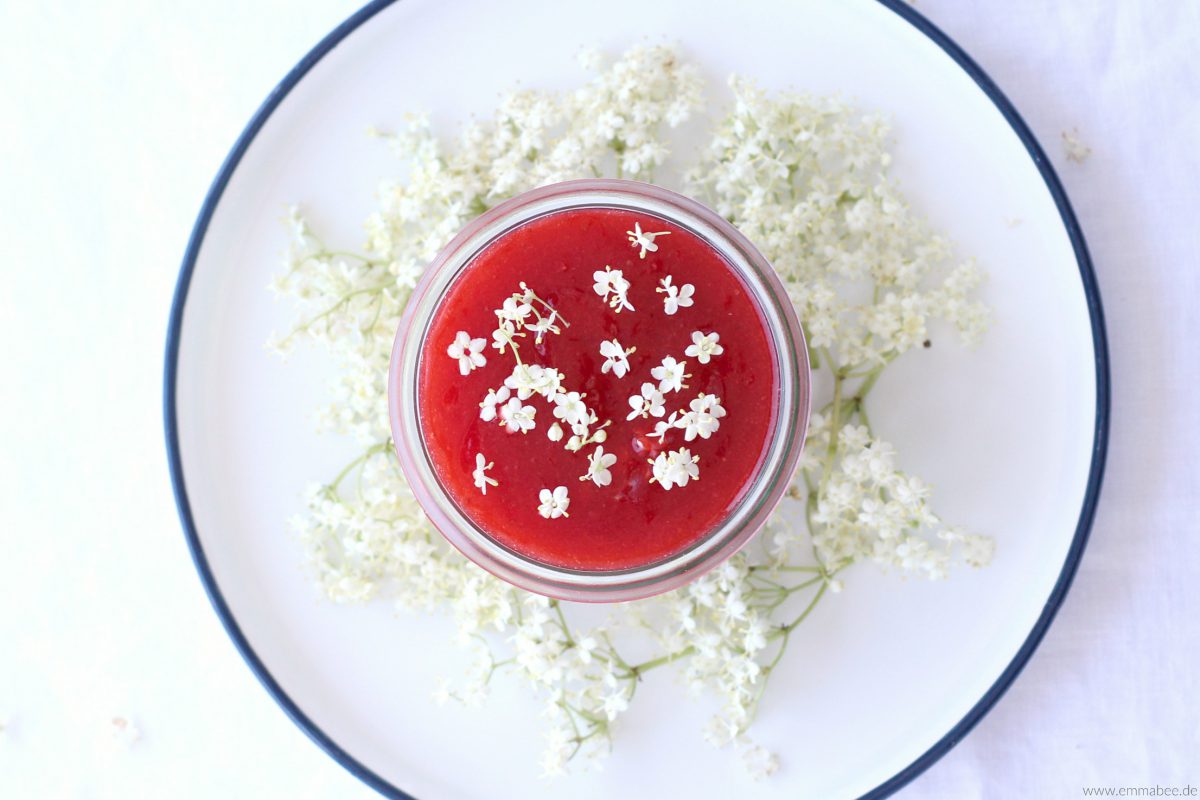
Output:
x=113 y=119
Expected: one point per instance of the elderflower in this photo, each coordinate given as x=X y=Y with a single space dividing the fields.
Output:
x=676 y=297
x=493 y=399
x=467 y=351
x=554 y=503
x=609 y=281
x=675 y=468
x=646 y=404
x=662 y=426
x=482 y=481
x=670 y=375
x=569 y=407
x=703 y=419
x=616 y=357
x=704 y=346
x=644 y=240
x=598 y=467
x=517 y=416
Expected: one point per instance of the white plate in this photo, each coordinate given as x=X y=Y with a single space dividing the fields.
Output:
x=885 y=677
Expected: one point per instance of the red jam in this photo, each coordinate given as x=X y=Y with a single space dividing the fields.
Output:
x=632 y=520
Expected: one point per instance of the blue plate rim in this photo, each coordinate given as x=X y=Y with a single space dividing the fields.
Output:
x=922 y=762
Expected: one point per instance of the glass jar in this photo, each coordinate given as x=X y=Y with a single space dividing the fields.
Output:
x=761 y=493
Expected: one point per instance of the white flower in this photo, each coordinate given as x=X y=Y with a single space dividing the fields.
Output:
x=546 y=325
x=677 y=297
x=514 y=310
x=495 y=397
x=670 y=375
x=570 y=408
x=662 y=426
x=643 y=239
x=554 y=503
x=467 y=351
x=517 y=416
x=482 y=481
x=615 y=702
x=530 y=379
x=703 y=419
x=554 y=433
x=609 y=281
x=675 y=468
x=598 y=467
x=760 y=762
x=504 y=336
x=616 y=357
x=704 y=347
x=648 y=403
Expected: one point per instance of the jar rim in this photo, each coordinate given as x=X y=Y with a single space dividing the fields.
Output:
x=763 y=490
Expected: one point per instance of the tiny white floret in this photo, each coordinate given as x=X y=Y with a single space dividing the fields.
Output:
x=554 y=503
x=644 y=239
x=675 y=468
x=467 y=352
x=662 y=426
x=494 y=398
x=616 y=357
x=648 y=403
x=482 y=481
x=517 y=416
x=570 y=408
x=704 y=346
x=704 y=418
x=609 y=281
x=598 y=467
x=677 y=297
x=670 y=375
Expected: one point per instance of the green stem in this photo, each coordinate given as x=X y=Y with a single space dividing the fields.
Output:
x=638 y=669
x=786 y=630
x=372 y=450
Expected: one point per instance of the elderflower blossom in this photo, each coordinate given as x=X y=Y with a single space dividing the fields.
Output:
x=554 y=503
x=676 y=297
x=467 y=352
x=703 y=418
x=599 y=463
x=495 y=398
x=675 y=468
x=670 y=375
x=616 y=357
x=704 y=346
x=644 y=240
x=516 y=416
x=663 y=425
x=648 y=403
x=569 y=407
x=805 y=178
x=612 y=287
x=480 y=476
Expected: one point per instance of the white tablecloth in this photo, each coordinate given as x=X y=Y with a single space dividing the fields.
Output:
x=115 y=117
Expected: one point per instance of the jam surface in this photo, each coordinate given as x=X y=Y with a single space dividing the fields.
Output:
x=631 y=520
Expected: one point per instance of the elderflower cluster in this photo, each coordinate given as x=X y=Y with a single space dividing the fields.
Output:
x=867 y=509
x=806 y=179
